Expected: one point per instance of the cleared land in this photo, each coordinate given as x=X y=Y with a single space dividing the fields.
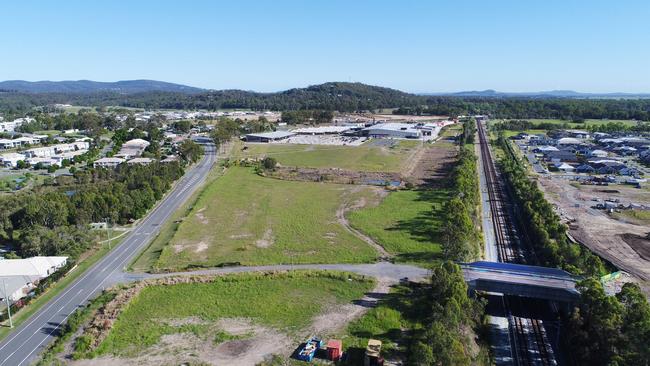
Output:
x=595 y=228
x=374 y=156
x=237 y=319
x=245 y=218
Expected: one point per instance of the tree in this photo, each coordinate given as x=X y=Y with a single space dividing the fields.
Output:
x=190 y=151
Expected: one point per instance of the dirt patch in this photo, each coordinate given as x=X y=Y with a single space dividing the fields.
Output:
x=241 y=236
x=202 y=219
x=595 y=228
x=335 y=318
x=201 y=247
x=343 y=221
x=640 y=244
x=267 y=240
x=178 y=248
x=335 y=175
x=431 y=165
x=186 y=348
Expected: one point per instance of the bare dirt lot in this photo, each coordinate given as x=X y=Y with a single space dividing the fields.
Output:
x=247 y=342
x=622 y=243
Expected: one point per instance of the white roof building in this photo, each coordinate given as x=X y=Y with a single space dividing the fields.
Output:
x=598 y=154
x=10 y=160
x=322 y=130
x=137 y=143
x=569 y=141
x=21 y=275
x=108 y=162
x=393 y=130
x=141 y=161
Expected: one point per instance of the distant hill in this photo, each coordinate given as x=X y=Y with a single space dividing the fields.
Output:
x=88 y=86
x=490 y=93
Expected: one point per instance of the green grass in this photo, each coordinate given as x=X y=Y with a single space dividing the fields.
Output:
x=640 y=217
x=284 y=301
x=242 y=217
x=405 y=223
x=366 y=157
x=48 y=132
x=26 y=312
x=509 y=133
x=394 y=321
x=148 y=257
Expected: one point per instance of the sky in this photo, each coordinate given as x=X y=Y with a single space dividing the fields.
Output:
x=271 y=45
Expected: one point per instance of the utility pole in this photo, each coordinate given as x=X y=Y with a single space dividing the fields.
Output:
x=108 y=233
x=4 y=284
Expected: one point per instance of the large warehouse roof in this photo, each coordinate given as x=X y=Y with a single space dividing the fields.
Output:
x=272 y=135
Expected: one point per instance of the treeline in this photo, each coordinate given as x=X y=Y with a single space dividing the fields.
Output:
x=546 y=232
x=521 y=108
x=469 y=131
x=346 y=97
x=609 y=330
x=461 y=235
x=54 y=220
x=610 y=127
x=447 y=338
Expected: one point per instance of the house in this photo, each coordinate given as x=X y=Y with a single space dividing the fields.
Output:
x=10 y=160
x=22 y=275
x=108 y=162
x=41 y=152
x=268 y=136
x=579 y=134
x=545 y=149
x=569 y=141
x=169 y=159
x=561 y=156
x=585 y=168
x=7 y=144
x=598 y=153
x=140 y=161
x=564 y=167
x=633 y=172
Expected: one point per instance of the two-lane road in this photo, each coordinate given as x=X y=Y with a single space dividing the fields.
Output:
x=31 y=337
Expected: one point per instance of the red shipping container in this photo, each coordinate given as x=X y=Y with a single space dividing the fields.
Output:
x=334 y=349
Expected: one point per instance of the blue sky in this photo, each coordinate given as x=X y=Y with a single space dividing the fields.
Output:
x=268 y=45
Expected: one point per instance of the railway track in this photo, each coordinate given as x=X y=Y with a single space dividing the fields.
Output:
x=528 y=336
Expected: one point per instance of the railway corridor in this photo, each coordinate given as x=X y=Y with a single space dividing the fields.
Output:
x=528 y=341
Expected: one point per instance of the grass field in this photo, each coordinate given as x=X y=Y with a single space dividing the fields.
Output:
x=400 y=310
x=242 y=217
x=639 y=217
x=283 y=301
x=405 y=223
x=367 y=157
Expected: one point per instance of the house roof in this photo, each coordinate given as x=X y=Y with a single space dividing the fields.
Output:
x=569 y=141
x=110 y=160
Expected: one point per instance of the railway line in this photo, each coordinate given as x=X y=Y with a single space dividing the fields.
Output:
x=528 y=338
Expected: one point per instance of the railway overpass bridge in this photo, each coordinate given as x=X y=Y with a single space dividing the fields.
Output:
x=521 y=280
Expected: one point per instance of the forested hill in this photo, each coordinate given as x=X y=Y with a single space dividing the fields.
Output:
x=339 y=96
x=88 y=86
x=344 y=97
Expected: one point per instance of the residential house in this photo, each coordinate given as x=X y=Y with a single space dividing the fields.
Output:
x=108 y=162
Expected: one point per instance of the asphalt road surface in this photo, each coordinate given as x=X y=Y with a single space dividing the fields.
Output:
x=23 y=345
